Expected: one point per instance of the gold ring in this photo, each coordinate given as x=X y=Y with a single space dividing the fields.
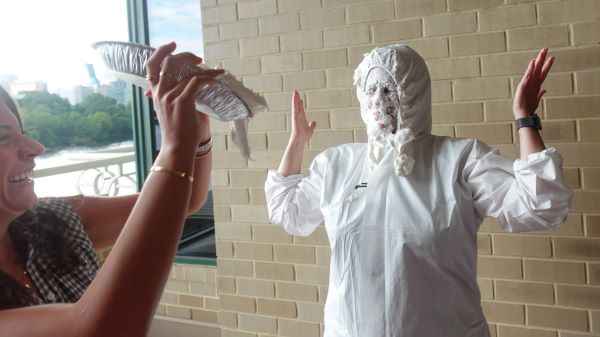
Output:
x=152 y=78
x=165 y=75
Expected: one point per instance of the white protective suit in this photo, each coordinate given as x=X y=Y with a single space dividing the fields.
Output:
x=404 y=248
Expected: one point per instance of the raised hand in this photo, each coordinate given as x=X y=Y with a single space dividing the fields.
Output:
x=529 y=92
x=302 y=130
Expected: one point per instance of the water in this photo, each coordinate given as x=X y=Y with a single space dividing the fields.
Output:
x=86 y=181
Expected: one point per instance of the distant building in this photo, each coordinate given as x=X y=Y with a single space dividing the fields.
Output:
x=76 y=94
x=19 y=89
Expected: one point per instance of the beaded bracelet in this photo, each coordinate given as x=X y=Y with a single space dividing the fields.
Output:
x=179 y=174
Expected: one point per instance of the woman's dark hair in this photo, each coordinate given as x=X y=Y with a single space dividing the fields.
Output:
x=12 y=105
x=27 y=231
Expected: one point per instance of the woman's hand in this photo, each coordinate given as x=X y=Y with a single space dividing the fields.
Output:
x=181 y=125
x=301 y=129
x=529 y=93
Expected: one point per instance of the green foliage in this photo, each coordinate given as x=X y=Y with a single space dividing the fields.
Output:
x=97 y=121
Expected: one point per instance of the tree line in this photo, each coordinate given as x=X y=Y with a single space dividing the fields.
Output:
x=53 y=121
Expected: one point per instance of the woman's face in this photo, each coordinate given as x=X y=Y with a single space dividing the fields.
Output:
x=382 y=102
x=17 y=154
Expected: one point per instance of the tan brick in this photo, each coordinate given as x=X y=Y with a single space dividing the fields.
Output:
x=278 y=140
x=443 y=130
x=264 y=45
x=417 y=8
x=312 y=274
x=178 y=286
x=585 y=201
x=519 y=245
x=303 y=40
x=506 y=64
x=238 y=303
x=318 y=237
x=592 y=224
x=281 y=63
x=222 y=213
x=219 y=178
x=582 y=58
x=493 y=328
x=224 y=249
x=311 y=312
x=555 y=84
x=253 y=251
x=370 y=12
x=295 y=328
x=340 y=77
x=504 y=312
x=247 y=66
x=228 y=160
x=270 y=233
x=265 y=159
x=494 y=267
x=257 y=196
x=276 y=308
x=490 y=133
x=221 y=50
x=257 y=323
x=441 y=91
x=558 y=318
x=232 y=333
x=328 y=99
x=168 y=298
x=579 y=154
x=257 y=141
x=457 y=113
x=292 y=253
x=228 y=319
x=538 y=37
x=484 y=244
x=324 y=18
x=585 y=297
x=588 y=130
x=205 y=316
x=246 y=178
x=341 y=37
x=219 y=142
x=586 y=33
x=450 y=24
x=577 y=248
x=554 y=271
x=274 y=271
x=334 y=3
x=513 y=331
x=588 y=82
x=249 y=213
x=594 y=273
x=396 y=31
x=267 y=121
x=453 y=68
x=461 y=5
x=486 y=287
x=208 y=3
x=571 y=176
x=327 y=139
x=357 y=54
x=218 y=14
x=507 y=17
x=226 y=284
x=264 y=83
x=477 y=44
x=325 y=59
x=567 y=11
x=238 y=29
x=210 y=34
x=191 y=301
x=179 y=312
x=344 y=119
x=253 y=9
x=258 y=288
x=279 y=23
x=596 y=322
x=430 y=48
x=297 y=292
x=524 y=292
x=229 y=267
x=298 y=6
x=279 y=102
x=203 y=288
x=161 y=309
x=304 y=80
x=481 y=88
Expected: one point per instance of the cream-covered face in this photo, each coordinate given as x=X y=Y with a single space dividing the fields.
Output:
x=380 y=103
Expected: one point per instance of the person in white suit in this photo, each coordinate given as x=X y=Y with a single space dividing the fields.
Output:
x=403 y=210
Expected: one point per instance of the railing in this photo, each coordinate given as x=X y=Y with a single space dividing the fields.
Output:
x=100 y=173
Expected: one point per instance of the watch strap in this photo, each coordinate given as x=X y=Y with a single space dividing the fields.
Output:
x=532 y=121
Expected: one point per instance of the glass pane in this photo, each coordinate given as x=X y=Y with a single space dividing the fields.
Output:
x=69 y=101
x=180 y=21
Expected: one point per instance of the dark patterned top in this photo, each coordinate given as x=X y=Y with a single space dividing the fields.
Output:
x=69 y=285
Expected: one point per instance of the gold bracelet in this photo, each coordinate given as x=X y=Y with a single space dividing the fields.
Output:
x=179 y=174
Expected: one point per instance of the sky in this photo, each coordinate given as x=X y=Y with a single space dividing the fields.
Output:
x=50 y=40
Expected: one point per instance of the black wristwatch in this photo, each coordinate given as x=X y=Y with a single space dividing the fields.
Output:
x=532 y=121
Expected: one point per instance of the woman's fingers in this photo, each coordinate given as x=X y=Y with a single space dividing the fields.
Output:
x=546 y=68
x=155 y=60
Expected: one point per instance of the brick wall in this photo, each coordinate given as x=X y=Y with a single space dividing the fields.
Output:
x=271 y=283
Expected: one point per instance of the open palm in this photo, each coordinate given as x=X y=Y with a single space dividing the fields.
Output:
x=529 y=93
x=302 y=130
